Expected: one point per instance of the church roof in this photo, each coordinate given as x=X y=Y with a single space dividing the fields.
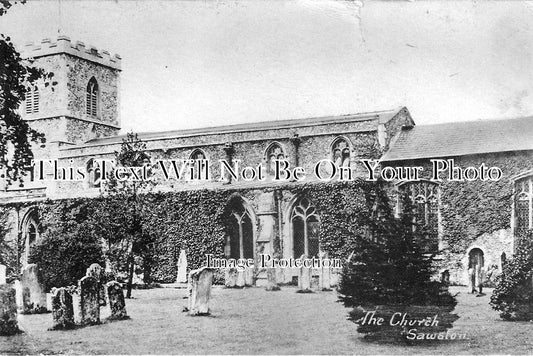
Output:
x=381 y=117
x=462 y=138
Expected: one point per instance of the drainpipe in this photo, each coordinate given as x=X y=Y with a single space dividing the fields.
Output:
x=277 y=202
x=229 y=149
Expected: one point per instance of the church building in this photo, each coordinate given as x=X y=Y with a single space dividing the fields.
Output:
x=471 y=221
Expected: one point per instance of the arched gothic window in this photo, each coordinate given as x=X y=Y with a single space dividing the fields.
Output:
x=523 y=205
x=340 y=151
x=32 y=100
x=197 y=154
x=425 y=197
x=273 y=153
x=94 y=173
x=92 y=97
x=30 y=233
x=305 y=227
x=240 y=242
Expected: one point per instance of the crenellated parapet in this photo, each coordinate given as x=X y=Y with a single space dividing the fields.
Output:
x=63 y=44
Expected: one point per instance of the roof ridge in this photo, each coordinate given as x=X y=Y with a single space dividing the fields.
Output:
x=477 y=121
x=257 y=125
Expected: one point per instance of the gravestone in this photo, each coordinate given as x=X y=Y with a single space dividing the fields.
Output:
x=280 y=275
x=272 y=283
x=89 y=300
x=18 y=294
x=248 y=276
x=471 y=280
x=62 y=309
x=304 y=277
x=8 y=311
x=3 y=279
x=96 y=271
x=230 y=277
x=445 y=277
x=200 y=281
x=182 y=268
x=76 y=306
x=241 y=281
x=33 y=295
x=324 y=274
x=117 y=303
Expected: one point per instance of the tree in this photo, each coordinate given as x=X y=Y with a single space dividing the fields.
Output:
x=125 y=193
x=513 y=295
x=68 y=245
x=16 y=135
x=389 y=270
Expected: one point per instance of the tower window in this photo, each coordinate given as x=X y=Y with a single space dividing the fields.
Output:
x=92 y=97
x=32 y=100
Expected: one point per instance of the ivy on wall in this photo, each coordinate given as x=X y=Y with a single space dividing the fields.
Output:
x=194 y=220
x=471 y=209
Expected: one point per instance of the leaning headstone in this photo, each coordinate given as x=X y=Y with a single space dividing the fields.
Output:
x=182 y=268
x=3 y=279
x=96 y=271
x=248 y=276
x=33 y=295
x=200 y=281
x=62 y=309
x=117 y=303
x=18 y=294
x=324 y=274
x=230 y=277
x=89 y=300
x=304 y=277
x=8 y=311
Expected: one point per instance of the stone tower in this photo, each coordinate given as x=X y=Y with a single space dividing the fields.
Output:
x=84 y=104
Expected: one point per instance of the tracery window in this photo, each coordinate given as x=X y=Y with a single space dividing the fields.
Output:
x=424 y=196
x=523 y=206
x=240 y=242
x=305 y=227
x=32 y=100
x=30 y=233
x=92 y=97
x=273 y=153
x=341 y=152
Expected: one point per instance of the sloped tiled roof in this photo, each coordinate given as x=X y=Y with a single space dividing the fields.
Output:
x=462 y=138
x=381 y=116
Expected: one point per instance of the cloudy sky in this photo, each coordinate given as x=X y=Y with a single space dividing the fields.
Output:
x=202 y=63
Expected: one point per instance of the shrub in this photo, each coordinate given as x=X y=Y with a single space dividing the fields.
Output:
x=513 y=296
x=63 y=259
x=388 y=273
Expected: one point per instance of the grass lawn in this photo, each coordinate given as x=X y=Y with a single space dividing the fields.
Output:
x=258 y=322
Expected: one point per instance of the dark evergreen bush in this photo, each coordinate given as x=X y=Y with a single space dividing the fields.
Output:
x=513 y=296
x=63 y=259
x=389 y=273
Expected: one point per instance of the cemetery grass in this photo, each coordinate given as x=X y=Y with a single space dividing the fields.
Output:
x=253 y=321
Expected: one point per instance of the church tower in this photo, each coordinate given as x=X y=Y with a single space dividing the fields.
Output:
x=84 y=102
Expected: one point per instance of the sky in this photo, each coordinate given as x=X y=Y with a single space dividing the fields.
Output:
x=189 y=64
